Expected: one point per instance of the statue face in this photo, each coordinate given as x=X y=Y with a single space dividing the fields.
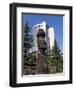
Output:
x=41 y=39
x=41 y=33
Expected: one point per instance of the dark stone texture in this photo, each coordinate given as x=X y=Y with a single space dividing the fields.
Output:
x=41 y=63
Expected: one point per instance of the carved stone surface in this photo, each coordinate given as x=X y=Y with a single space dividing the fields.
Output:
x=41 y=43
x=41 y=33
x=41 y=63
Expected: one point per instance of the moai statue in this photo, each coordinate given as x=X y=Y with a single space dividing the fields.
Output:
x=41 y=63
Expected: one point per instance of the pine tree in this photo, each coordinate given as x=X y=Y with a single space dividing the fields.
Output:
x=57 y=57
x=56 y=52
x=27 y=43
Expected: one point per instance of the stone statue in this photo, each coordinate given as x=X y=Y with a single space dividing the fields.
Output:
x=41 y=63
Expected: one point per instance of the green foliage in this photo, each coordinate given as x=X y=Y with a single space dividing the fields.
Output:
x=56 y=58
x=56 y=52
x=31 y=61
x=28 y=43
x=33 y=58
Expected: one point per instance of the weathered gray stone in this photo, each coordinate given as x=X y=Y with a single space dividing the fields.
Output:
x=41 y=63
x=52 y=69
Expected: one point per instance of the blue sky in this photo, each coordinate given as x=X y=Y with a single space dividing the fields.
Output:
x=55 y=21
